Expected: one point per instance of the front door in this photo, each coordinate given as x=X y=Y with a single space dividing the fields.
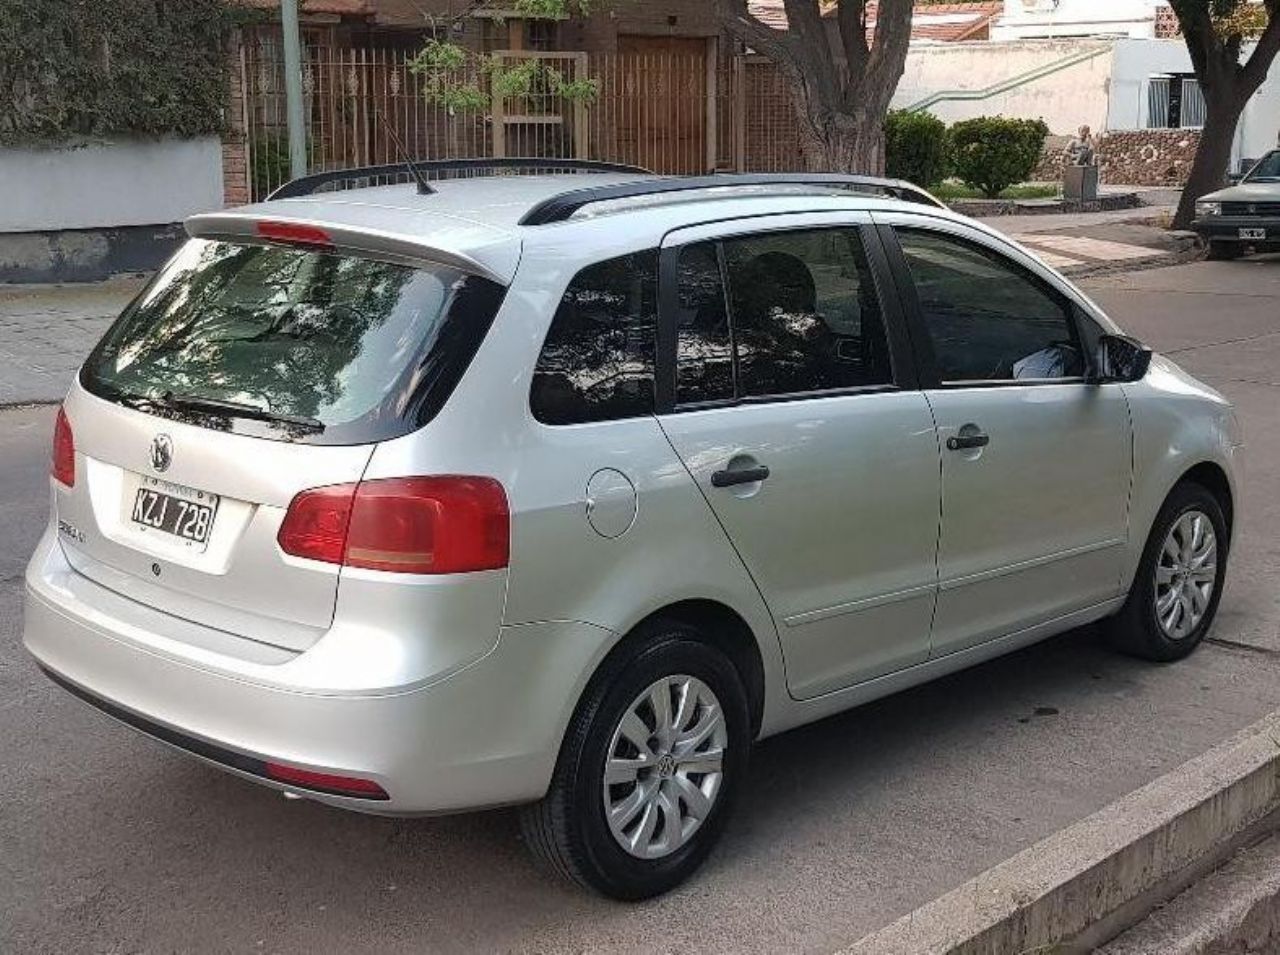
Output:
x=797 y=418
x=1035 y=461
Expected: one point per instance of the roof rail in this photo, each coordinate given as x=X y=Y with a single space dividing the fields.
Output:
x=306 y=185
x=561 y=207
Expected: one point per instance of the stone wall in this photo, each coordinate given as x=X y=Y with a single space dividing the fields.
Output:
x=1130 y=157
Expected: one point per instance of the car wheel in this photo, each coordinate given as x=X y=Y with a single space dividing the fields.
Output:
x=1224 y=251
x=648 y=770
x=1175 y=594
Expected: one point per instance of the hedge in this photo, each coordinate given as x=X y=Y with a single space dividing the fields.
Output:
x=991 y=153
x=72 y=69
x=915 y=147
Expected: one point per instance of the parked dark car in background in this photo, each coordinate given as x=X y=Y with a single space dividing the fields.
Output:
x=1244 y=217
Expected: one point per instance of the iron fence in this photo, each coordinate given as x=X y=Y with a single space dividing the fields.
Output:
x=671 y=113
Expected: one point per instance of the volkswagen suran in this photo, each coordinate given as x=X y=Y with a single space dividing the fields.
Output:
x=559 y=487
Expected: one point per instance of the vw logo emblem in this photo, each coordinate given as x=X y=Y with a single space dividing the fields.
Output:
x=161 y=452
x=1252 y=208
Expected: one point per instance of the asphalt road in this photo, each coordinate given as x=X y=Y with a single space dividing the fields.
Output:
x=111 y=843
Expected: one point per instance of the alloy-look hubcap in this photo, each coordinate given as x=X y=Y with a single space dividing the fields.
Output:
x=665 y=766
x=1186 y=574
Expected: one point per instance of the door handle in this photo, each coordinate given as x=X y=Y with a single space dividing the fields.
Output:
x=960 y=442
x=728 y=478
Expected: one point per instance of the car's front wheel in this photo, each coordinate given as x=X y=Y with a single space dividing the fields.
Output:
x=1175 y=594
x=648 y=769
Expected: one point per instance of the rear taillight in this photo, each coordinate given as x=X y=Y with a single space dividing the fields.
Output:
x=63 y=465
x=420 y=525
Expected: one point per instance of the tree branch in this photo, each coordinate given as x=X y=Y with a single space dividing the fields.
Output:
x=851 y=16
x=775 y=44
x=889 y=49
x=1259 y=62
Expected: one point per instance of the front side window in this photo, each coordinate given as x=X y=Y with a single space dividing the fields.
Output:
x=597 y=360
x=313 y=345
x=987 y=319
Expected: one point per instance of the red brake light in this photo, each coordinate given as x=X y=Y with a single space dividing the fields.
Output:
x=294 y=232
x=420 y=525
x=63 y=466
x=316 y=523
x=325 y=782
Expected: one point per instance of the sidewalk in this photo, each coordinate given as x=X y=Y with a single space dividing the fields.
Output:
x=46 y=331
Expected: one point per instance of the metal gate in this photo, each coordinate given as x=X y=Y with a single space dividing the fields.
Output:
x=674 y=113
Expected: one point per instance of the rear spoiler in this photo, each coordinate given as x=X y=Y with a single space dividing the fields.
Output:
x=287 y=230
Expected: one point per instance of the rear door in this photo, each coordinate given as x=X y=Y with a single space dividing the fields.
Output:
x=244 y=374
x=794 y=408
x=1035 y=461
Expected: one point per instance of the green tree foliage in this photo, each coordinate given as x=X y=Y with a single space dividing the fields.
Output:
x=915 y=147
x=75 y=68
x=454 y=77
x=991 y=153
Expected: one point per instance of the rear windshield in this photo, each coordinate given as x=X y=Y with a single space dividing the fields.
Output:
x=295 y=344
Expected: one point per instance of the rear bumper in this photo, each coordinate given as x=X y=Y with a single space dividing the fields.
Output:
x=485 y=735
x=1227 y=228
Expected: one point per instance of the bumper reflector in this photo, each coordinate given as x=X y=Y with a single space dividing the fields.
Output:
x=325 y=782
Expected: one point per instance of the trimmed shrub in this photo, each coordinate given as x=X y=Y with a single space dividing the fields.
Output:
x=915 y=147
x=991 y=153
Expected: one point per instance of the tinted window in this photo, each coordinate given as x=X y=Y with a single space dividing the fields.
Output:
x=363 y=349
x=704 y=350
x=805 y=313
x=597 y=361
x=988 y=320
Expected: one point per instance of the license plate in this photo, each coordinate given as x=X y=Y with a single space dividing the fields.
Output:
x=1253 y=233
x=173 y=509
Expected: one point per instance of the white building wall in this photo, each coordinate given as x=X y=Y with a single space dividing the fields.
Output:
x=109 y=184
x=1136 y=61
x=1027 y=19
x=963 y=80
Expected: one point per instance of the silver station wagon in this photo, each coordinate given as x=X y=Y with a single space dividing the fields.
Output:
x=558 y=489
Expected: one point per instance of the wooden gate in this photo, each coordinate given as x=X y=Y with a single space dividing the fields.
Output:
x=662 y=114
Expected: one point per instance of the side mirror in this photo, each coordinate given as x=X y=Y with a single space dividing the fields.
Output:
x=1120 y=358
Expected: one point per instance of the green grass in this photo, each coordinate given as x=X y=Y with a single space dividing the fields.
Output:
x=1026 y=190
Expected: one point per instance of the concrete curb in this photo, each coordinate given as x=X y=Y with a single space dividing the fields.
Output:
x=1109 y=869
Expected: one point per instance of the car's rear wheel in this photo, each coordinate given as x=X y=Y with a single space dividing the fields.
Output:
x=1224 y=251
x=648 y=769
x=1175 y=594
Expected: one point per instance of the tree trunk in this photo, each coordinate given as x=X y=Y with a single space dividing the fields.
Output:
x=841 y=142
x=1209 y=168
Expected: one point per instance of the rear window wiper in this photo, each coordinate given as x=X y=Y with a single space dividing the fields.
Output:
x=237 y=409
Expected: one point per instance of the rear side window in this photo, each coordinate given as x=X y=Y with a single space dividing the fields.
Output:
x=598 y=357
x=988 y=320
x=801 y=316
x=805 y=313
x=315 y=346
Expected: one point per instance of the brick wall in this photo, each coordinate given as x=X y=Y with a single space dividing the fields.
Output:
x=1167 y=27
x=599 y=32
x=235 y=153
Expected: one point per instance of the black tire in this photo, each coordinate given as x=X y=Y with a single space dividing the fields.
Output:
x=567 y=831
x=1224 y=251
x=1136 y=630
